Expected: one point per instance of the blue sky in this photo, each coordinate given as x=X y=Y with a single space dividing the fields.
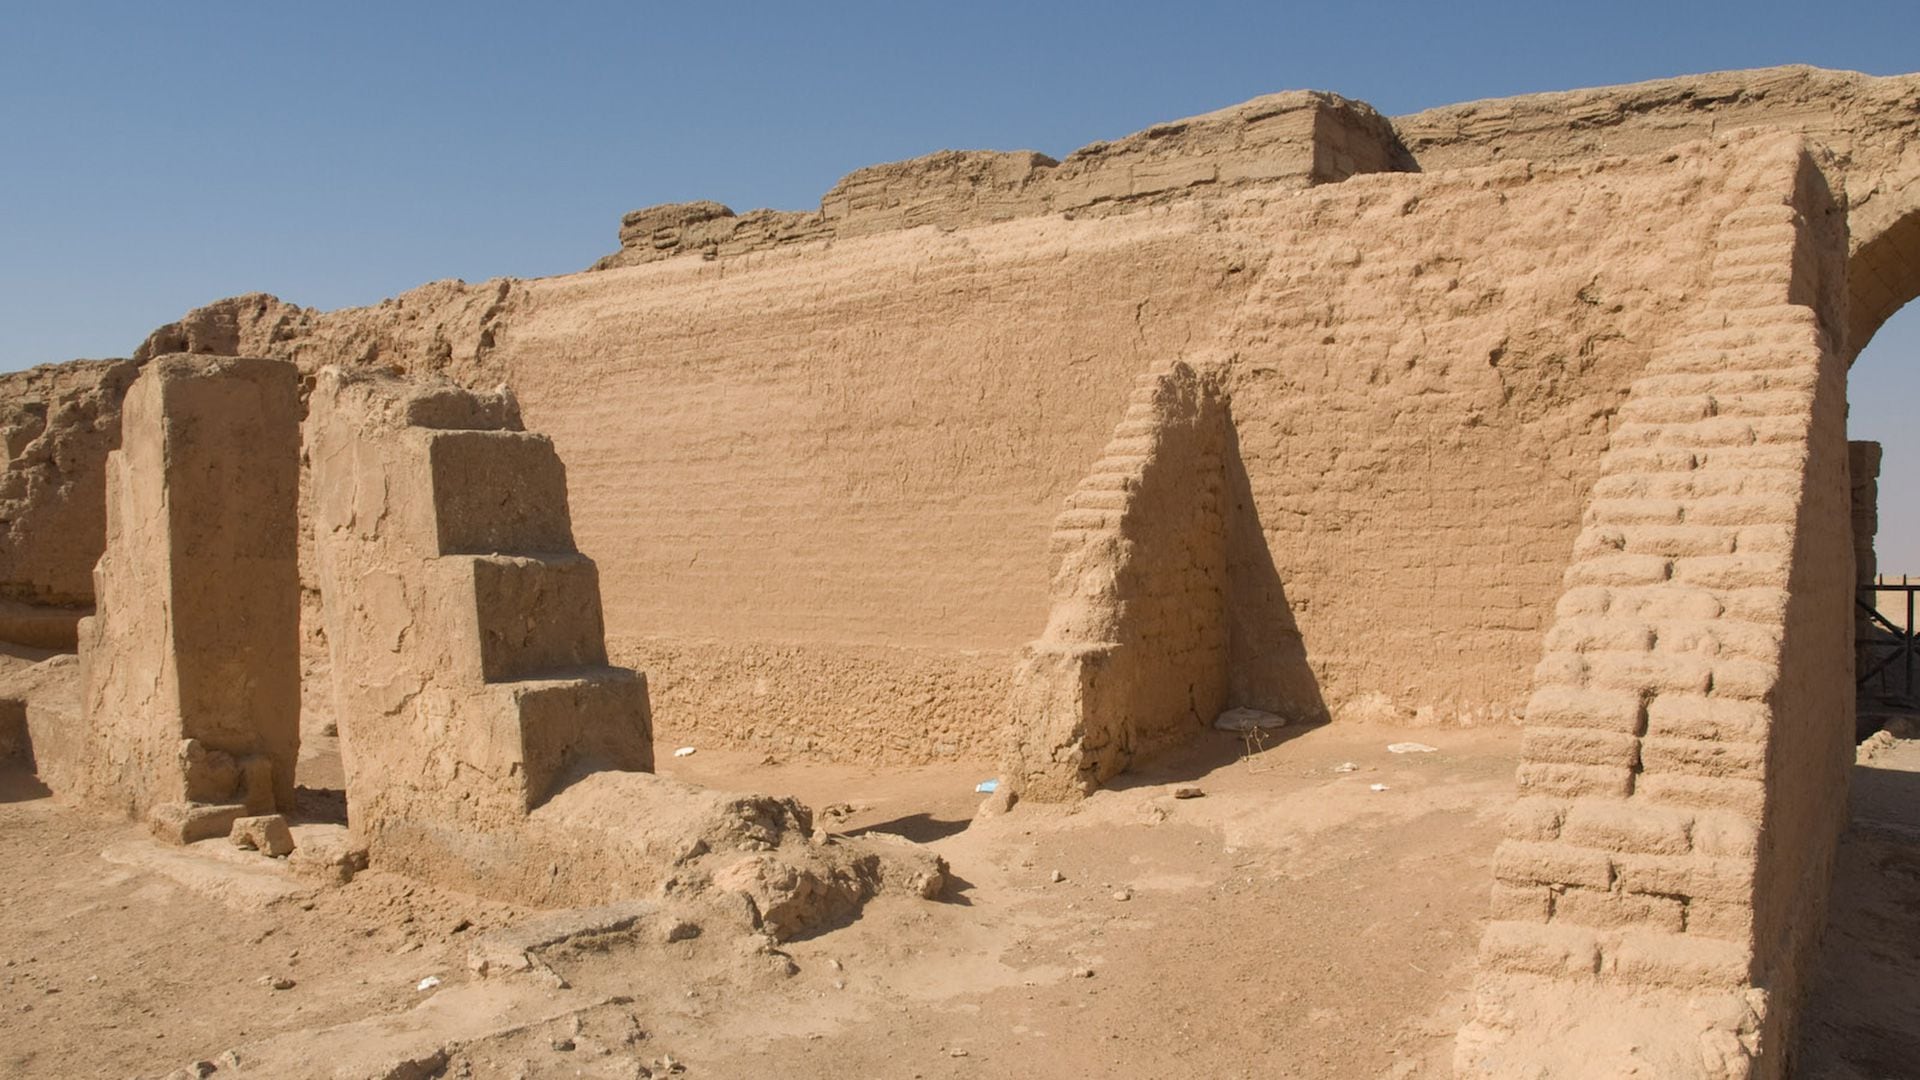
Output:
x=158 y=156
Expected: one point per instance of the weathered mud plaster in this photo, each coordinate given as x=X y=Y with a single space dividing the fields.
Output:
x=1135 y=653
x=470 y=669
x=190 y=670
x=487 y=742
x=1292 y=139
x=57 y=424
x=1667 y=866
x=855 y=447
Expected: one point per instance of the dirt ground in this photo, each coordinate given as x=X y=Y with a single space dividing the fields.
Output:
x=1290 y=922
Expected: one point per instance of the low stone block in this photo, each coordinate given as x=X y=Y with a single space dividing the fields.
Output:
x=1543 y=778
x=268 y=834
x=1608 y=910
x=1580 y=746
x=1679 y=961
x=1612 y=825
x=332 y=855
x=186 y=823
x=1746 y=798
x=1525 y=863
x=1539 y=950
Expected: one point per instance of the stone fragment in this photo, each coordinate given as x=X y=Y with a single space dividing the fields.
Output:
x=186 y=823
x=996 y=804
x=268 y=834
x=333 y=857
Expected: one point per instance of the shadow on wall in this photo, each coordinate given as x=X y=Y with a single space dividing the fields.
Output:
x=1167 y=609
x=1863 y=1014
x=1268 y=667
x=17 y=780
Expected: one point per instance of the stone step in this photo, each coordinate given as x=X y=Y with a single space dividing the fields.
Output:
x=571 y=721
x=497 y=492
x=536 y=614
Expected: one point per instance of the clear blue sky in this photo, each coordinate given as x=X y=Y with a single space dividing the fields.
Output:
x=158 y=156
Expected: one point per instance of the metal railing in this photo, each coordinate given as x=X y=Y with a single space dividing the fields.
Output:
x=1896 y=644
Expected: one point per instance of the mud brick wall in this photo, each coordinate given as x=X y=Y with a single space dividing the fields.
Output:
x=57 y=423
x=468 y=656
x=1426 y=374
x=1691 y=723
x=1296 y=138
x=819 y=474
x=1135 y=652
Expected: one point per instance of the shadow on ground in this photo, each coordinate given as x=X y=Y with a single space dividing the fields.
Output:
x=1209 y=751
x=1863 y=1017
x=919 y=828
x=18 y=784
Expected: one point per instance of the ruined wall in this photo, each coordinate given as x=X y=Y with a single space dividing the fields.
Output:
x=1691 y=722
x=1863 y=475
x=1426 y=374
x=830 y=526
x=816 y=476
x=470 y=672
x=190 y=670
x=818 y=481
x=1294 y=139
x=1870 y=125
x=58 y=422
x=1135 y=651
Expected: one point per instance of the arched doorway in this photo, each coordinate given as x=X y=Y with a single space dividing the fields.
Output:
x=1883 y=393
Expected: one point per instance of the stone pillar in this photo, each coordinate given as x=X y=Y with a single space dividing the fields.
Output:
x=1664 y=879
x=469 y=658
x=190 y=668
x=1134 y=658
x=1863 y=469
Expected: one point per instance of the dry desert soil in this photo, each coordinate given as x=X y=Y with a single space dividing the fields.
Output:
x=1313 y=913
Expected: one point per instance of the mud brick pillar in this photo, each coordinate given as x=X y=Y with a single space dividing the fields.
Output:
x=191 y=667
x=1664 y=879
x=469 y=657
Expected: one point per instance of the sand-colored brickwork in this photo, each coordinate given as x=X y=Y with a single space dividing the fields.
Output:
x=469 y=662
x=1691 y=720
x=1136 y=649
x=57 y=424
x=190 y=670
x=487 y=742
x=997 y=455
x=1291 y=139
x=818 y=477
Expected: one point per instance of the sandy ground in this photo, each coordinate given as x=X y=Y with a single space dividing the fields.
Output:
x=1863 y=1020
x=1291 y=922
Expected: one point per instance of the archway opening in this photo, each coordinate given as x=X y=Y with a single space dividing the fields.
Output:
x=1883 y=401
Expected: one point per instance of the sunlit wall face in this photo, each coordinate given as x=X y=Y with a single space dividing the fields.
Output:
x=1883 y=404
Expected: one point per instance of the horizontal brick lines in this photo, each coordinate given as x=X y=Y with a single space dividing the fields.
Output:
x=1096 y=507
x=1682 y=407
x=1721 y=382
x=1640 y=957
x=1604 y=863
x=1717 y=431
x=1612 y=495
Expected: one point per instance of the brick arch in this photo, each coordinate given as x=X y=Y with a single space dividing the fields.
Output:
x=1883 y=271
